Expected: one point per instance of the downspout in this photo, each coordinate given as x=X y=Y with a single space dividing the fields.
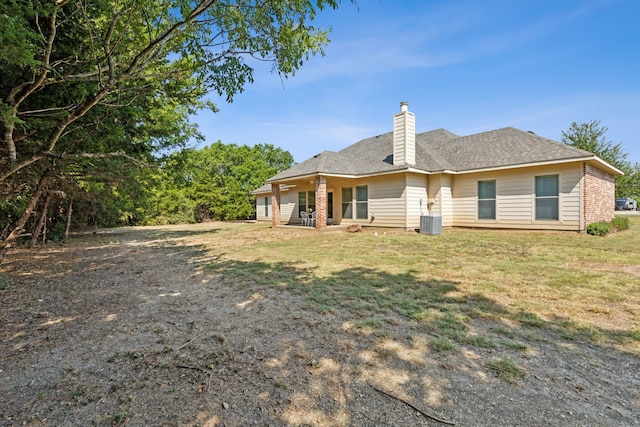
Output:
x=406 y=202
x=583 y=197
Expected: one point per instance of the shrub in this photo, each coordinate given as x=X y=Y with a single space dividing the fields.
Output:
x=620 y=223
x=600 y=228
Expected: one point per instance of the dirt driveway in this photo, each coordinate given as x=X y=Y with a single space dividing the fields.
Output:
x=128 y=327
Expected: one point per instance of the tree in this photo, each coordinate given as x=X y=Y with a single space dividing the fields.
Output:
x=590 y=136
x=214 y=182
x=107 y=53
x=80 y=81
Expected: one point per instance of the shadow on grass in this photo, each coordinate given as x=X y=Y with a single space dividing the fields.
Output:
x=404 y=326
x=169 y=233
x=437 y=306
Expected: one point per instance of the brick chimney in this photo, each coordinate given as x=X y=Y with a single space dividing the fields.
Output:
x=404 y=136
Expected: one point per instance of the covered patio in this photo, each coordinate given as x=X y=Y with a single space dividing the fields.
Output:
x=313 y=200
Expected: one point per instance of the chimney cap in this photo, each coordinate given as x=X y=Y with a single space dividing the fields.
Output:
x=404 y=106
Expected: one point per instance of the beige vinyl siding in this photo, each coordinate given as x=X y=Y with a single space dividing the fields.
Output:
x=386 y=200
x=439 y=191
x=571 y=196
x=433 y=190
x=446 y=199
x=404 y=135
x=260 y=207
x=416 y=191
x=286 y=206
x=515 y=198
x=394 y=200
x=464 y=199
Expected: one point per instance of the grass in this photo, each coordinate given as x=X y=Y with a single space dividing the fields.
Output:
x=579 y=286
x=440 y=344
x=506 y=369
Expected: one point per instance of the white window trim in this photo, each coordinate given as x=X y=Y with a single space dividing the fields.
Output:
x=494 y=199
x=534 y=197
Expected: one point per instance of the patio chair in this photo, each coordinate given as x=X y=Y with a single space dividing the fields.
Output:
x=312 y=219
x=305 y=218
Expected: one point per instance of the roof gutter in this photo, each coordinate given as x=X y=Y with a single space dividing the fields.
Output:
x=353 y=176
x=608 y=166
x=594 y=159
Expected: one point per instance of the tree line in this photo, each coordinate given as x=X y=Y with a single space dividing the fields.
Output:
x=187 y=186
x=213 y=183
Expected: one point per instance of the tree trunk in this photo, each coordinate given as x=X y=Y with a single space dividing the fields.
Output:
x=5 y=244
x=66 y=230
x=41 y=226
x=44 y=227
x=4 y=232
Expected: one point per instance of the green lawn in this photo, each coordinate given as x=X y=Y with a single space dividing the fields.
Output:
x=512 y=283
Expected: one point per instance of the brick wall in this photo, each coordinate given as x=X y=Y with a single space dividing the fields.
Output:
x=275 y=204
x=321 y=202
x=599 y=195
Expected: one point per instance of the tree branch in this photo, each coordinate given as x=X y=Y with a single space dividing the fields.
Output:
x=433 y=417
x=28 y=89
x=64 y=156
x=99 y=156
x=18 y=166
x=45 y=111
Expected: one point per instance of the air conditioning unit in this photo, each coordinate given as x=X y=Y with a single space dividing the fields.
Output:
x=431 y=224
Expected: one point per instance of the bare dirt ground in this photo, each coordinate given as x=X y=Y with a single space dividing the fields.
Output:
x=125 y=327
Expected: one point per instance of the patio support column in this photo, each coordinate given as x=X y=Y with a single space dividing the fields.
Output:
x=321 y=202
x=275 y=204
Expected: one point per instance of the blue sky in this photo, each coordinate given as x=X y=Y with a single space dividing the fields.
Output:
x=466 y=66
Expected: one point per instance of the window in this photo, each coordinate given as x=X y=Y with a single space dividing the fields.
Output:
x=547 y=197
x=347 y=203
x=362 y=201
x=306 y=201
x=311 y=201
x=302 y=201
x=487 y=199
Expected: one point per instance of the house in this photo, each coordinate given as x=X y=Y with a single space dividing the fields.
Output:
x=505 y=178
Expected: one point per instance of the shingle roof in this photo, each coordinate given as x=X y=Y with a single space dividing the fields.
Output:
x=438 y=150
x=266 y=188
x=504 y=147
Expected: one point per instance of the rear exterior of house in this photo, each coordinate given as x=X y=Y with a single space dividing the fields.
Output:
x=499 y=179
x=553 y=197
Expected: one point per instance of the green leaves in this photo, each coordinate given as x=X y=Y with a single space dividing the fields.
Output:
x=105 y=55
x=590 y=136
x=217 y=179
x=18 y=41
